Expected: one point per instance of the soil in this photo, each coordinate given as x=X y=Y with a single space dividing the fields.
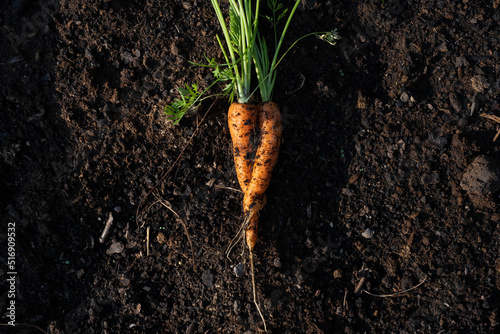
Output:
x=382 y=213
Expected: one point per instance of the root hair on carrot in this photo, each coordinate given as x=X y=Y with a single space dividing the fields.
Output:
x=254 y=290
x=238 y=238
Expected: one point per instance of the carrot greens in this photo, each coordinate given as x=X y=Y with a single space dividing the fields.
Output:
x=244 y=50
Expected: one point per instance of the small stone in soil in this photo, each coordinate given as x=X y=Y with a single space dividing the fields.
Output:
x=301 y=277
x=80 y=273
x=161 y=238
x=405 y=97
x=115 y=248
x=337 y=273
x=368 y=233
x=239 y=270
x=482 y=176
x=237 y=306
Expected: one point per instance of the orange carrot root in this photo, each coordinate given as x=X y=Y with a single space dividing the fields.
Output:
x=242 y=119
x=254 y=174
x=264 y=162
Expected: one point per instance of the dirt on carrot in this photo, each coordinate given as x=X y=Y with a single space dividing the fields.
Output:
x=263 y=165
x=242 y=119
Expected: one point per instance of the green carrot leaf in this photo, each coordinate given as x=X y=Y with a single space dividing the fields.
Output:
x=189 y=96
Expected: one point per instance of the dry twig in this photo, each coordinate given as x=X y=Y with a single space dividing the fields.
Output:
x=494 y=119
x=300 y=86
x=166 y=204
x=147 y=241
x=228 y=188
x=396 y=294
x=107 y=229
x=364 y=273
x=27 y=325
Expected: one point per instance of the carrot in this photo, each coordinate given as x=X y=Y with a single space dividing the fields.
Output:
x=242 y=119
x=243 y=124
x=263 y=165
x=244 y=51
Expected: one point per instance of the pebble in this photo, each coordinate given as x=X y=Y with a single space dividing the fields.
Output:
x=174 y=49
x=126 y=57
x=80 y=273
x=337 y=273
x=438 y=141
x=405 y=97
x=239 y=270
x=301 y=277
x=443 y=47
x=368 y=233
x=236 y=306
x=482 y=176
x=115 y=248
x=161 y=238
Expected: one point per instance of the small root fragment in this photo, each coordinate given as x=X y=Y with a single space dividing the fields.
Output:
x=396 y=294
x=303 y=78
x=228 y=188
x=363 y=273
x=254 y=289
x=26 y=325
x=107 y=229
x=495 y=119
x=180 y=220
x=240 y=235
x=147 y=241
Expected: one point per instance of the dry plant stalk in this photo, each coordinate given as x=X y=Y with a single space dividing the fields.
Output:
x=494 y=119
x=396 y=294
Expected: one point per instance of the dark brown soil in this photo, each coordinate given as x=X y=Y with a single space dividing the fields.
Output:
x=371 y=173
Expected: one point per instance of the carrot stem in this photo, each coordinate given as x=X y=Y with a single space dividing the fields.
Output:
x=240 y=39
x=266 y=71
